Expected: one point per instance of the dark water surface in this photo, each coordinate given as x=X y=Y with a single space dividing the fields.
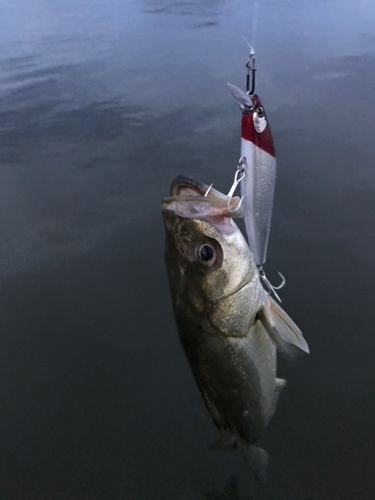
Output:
x=101 y=105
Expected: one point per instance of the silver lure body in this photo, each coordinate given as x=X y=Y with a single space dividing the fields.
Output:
x=259 y=162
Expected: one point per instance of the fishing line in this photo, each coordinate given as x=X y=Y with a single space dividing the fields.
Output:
x=255 y=21
x=251 y=62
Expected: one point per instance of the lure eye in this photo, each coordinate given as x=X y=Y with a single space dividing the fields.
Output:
x=260 y=112
x=206 y=253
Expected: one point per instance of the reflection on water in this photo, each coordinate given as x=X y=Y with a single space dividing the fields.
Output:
x=101 y=106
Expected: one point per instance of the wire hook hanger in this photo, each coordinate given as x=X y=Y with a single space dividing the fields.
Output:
x=238 y=177
x=250 y=66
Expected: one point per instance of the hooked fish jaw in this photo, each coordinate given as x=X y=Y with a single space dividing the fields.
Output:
x=211 y=224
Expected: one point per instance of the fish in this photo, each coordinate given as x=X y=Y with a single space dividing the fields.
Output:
x=228 y=325
x=259 y=163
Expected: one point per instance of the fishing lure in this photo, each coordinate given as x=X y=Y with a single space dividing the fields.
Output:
x=257 y=163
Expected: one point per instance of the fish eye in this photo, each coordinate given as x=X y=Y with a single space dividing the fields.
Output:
x=206 y=252
x=260 y=112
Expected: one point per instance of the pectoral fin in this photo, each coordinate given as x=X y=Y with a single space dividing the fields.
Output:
x=281 y=327
x=280 y=383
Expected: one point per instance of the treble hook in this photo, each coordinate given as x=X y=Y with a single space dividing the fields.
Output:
x=250 y=65
x=271 y=288
x=239 y=172
x=208 y=190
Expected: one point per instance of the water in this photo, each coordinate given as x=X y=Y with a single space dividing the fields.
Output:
x=101 y=105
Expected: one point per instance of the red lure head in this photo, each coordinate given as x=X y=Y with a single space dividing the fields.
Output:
x=255 y=127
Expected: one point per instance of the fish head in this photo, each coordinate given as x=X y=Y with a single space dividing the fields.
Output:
x=208 y=259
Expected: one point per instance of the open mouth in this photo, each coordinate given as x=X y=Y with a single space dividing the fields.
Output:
x=189 y=198
x=184 y=186
x=196 y=200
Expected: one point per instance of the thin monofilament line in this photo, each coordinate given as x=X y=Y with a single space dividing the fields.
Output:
x=255 y=22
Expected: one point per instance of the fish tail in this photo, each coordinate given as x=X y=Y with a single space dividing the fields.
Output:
x=257 y=459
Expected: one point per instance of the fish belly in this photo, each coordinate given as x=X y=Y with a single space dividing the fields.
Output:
x=236 y=378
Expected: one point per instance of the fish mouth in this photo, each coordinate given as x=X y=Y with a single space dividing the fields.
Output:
x=185 y=186
x=196 y=200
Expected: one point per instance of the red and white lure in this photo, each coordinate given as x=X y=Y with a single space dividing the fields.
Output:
x=257 y=167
